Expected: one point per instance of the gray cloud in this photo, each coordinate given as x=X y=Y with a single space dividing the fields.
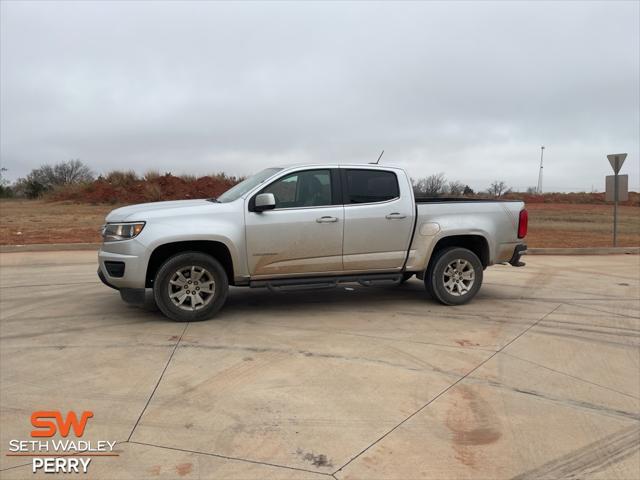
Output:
x=469 y=89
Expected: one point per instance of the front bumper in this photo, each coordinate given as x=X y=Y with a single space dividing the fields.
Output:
x=131 y=258
x=517 y=253
x=136 y=296
x=104 y=279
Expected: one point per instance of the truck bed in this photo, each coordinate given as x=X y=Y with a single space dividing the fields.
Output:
x=494 y=220
x=458 y=199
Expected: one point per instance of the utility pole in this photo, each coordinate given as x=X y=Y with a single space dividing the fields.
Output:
x=541 y=167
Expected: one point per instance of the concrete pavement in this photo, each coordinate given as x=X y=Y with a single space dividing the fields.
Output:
x=538 y=377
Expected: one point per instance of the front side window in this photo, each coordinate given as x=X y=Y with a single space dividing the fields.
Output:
x=311 y=188
x=243 y=187
x=368 y=186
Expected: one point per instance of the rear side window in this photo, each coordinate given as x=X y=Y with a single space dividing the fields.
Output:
x=367 y=186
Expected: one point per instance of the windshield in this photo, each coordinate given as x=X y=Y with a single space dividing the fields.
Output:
x=243 y=187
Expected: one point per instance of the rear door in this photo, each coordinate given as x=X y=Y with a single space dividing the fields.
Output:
x=378 y=220
x=303 y=234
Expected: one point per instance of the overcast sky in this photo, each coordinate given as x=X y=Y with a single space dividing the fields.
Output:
x=468 y=89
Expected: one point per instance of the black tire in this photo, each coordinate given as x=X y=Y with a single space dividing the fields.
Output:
x=209 y=268
x=452 y=294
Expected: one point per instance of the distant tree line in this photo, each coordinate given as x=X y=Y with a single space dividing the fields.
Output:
x=73 y=172
x=45 y=178
x=75 y=180
x=437 y=185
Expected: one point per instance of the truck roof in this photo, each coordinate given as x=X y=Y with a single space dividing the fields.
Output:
x=340 y=165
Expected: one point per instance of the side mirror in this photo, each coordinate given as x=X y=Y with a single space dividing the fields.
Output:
x=265 y=201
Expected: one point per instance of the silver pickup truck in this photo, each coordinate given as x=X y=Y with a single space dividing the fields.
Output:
x=306 y=226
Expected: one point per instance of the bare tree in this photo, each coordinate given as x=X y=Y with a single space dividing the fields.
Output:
x=498 y=188
x=456 y=188
x=45 y=178
x=435 y=184
x=72 y=171
x=532 y=190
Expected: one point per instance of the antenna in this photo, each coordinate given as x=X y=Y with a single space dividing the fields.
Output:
x=376 y=162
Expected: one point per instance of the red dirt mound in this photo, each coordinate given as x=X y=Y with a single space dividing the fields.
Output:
x=166 y=187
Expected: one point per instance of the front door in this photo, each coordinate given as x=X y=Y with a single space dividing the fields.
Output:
x=302 y=235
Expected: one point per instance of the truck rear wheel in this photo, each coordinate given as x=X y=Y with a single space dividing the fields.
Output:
x=190 y=287
x=454 y=276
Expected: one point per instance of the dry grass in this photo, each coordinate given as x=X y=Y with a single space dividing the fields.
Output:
x=569 y=225
x=151 y=175
x=121 y=178
x=37 y=221
x=550 y=225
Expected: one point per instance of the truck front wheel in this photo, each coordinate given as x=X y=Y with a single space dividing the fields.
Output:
x=454 y=276
x=190 y=287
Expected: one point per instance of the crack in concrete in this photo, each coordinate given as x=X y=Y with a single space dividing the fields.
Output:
x=226 y=457
x=449 y=388
x=175 y=347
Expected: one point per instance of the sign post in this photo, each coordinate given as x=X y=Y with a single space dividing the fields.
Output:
x=616 y=160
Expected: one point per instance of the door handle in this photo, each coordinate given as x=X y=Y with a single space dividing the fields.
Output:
x=395 y=216
x=326 y=219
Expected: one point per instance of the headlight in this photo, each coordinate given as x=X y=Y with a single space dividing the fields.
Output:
x=112 y=232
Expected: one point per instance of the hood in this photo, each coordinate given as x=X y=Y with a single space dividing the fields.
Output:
x=144 y=211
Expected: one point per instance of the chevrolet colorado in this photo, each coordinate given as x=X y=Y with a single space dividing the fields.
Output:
x=306 y=226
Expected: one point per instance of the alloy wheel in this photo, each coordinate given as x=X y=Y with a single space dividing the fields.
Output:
x=458 y=277
x=191 y=288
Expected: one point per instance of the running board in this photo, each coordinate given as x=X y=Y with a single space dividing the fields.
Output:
x=309 y=283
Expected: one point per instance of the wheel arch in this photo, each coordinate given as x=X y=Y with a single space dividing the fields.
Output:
x=478 y=244
x=216 y=249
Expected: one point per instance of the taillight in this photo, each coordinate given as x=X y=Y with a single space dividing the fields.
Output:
x=523 y=224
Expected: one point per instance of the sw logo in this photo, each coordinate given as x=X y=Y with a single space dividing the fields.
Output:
x=60 y=455
x=48 y=428
x=49 y=422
